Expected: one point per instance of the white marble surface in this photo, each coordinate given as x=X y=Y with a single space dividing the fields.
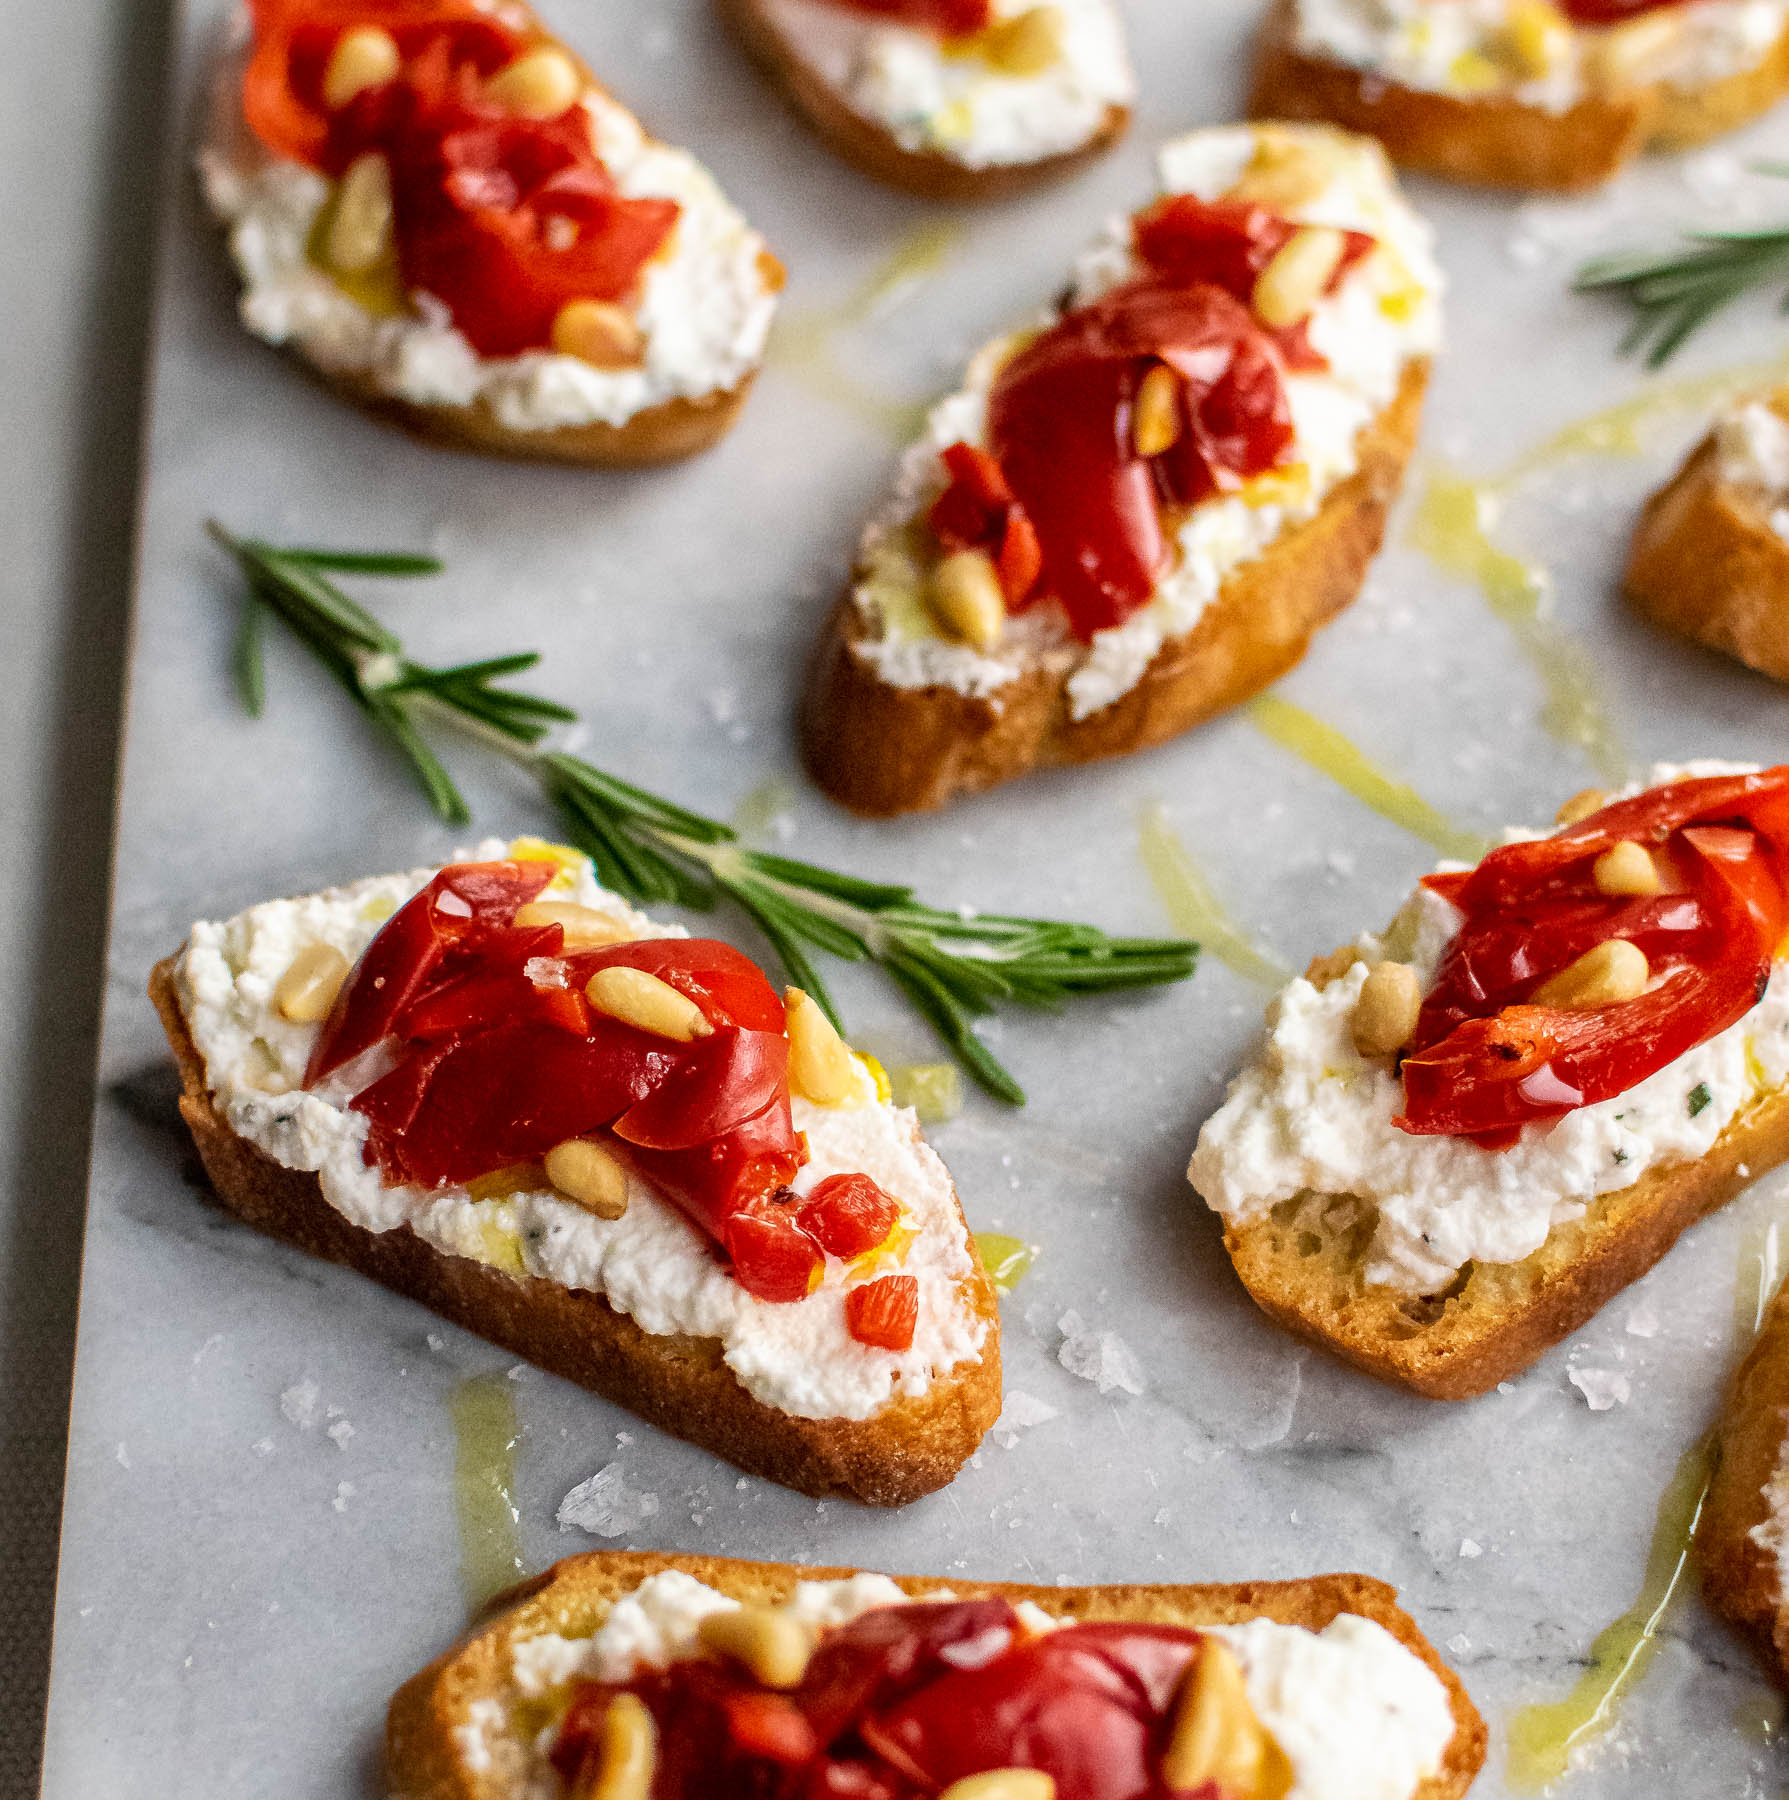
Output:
x=224 y=1627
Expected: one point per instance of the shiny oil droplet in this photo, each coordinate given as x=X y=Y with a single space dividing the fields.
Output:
x=483 y=1408
x=1007 y=1260
x=1197 y=912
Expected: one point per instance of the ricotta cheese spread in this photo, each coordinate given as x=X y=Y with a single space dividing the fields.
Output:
x=1311 y=1117
x=1469 y=47
x=1385 y=314
x=704 y=308
x=945 y=99
x=1357 y=1714
x=1771 y=1534
x=651 y=1263
x=1752 y=452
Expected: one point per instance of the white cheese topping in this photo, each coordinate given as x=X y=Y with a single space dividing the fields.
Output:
x=652 y=1263
x=1771 y=1534
x=1752 y=459
x=1385 y=314
x=704 y=307
x=1467 y=47
x=1358 y=1715
x=947 y=99
x=1311 y=1116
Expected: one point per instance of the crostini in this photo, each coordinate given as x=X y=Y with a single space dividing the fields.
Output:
x=952 y=99
x=615 y=1151
x=1710 y=559
x=1537 y=94
x=1463 y=1136
x=1743 y=1534
x=1143 y=502
x=699 y=1676
x=434 y=204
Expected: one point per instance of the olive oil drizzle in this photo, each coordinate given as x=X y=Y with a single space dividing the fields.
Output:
x=1543 y=1738
x=1195 y=909
x=483 y=1408
x=1007 y=1260
x=806 y=343
x=1456 y=517
x=1318 y=743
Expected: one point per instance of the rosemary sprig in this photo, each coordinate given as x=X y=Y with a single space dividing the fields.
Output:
x=1675 y=292
x=953 y=966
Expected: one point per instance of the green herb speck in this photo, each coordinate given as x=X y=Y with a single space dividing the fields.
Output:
x=1699 y=1097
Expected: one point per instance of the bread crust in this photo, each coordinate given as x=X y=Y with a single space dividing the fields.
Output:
x=910 y=1448
x=572 y=1597
x=668 y=432
x=1740 y=1578
x=882 y=750
x=1494 y=140
x=1708 y=566
x=1495 y=1318
x=874 y=149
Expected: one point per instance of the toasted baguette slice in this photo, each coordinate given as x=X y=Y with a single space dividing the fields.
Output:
x=909 y=1447
x=1708 y=564
x=1494 y=1319
x=1494 y=139
x=872 y=145
x=883 y=735
x=431 y=1713
x=401 y=364
x=1449 y=1329
x=1741 y=1534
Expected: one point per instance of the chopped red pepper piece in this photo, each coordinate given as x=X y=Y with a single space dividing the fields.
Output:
x=948 y=18
x=1486 y=1060
x=773 y=1258
x=849 y=1215
x=883 y=1313
x=1611 y=12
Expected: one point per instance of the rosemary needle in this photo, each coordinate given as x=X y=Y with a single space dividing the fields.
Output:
x=1675 y=292
x=954 y=967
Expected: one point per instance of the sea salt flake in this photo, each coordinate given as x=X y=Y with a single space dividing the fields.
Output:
x=1601 y=1388
x=262 y=1446
x=1102 y=1357
x=1459 y=1643
x=344 y=1492
x=300 y=1404
x=339 y=1433
x=1643 y=1321
x=1469 y=1548
x=605 y=1506
x=123 y=1457
x=1020 y=1412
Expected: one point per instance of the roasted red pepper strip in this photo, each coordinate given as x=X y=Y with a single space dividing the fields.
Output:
x=503 y=219
x=1486 y=1060
x=948 y=18
x=1612 y=12
x=907 y=1699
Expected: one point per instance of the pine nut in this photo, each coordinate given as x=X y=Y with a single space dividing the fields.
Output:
x=539 y=84
x=360 y=233
x=307 y=990
x=1155 y=417
x=1320 y=971
x=364 y=57
x=1291 y=285
x=1027 y=44
x=585 y=1172
x=771 y=1645
x=966 y=598
x=1626 y=868
x=1614 y=971
x=1580 y=806
x=821 y=1067
x=1386 y=1012
x=1630 y=55
x=626 y=1758
x=585 y=928
x=1216 y=1737
x=1539 y=38
x=1003 y=1784
x=600 y=333
x=647 y=1004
